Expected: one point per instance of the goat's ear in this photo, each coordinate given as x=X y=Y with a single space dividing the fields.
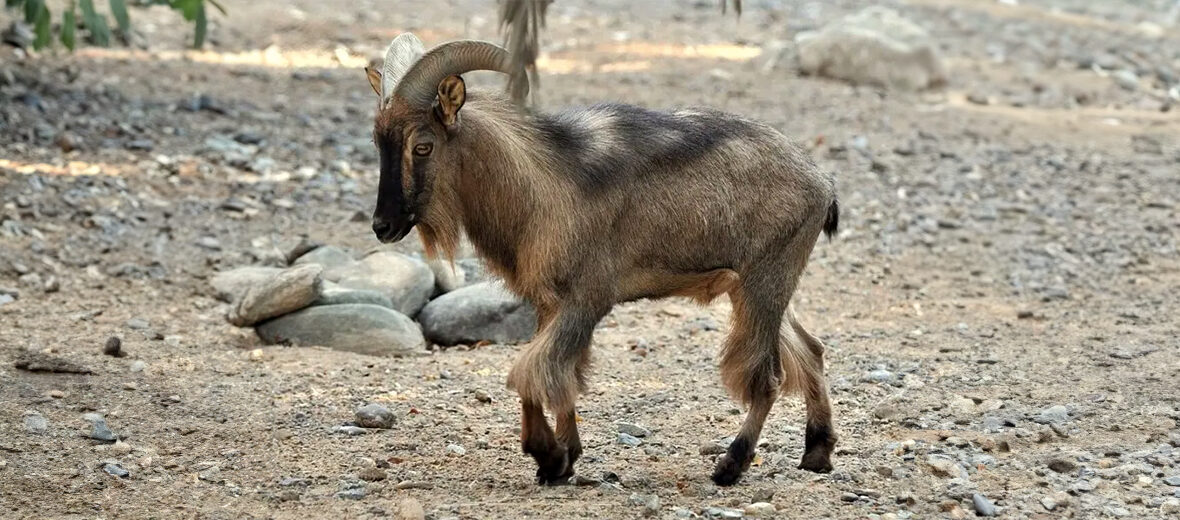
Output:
x=451 y=95
x=374 y=79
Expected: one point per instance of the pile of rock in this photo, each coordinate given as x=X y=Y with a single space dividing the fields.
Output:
x=329 y=297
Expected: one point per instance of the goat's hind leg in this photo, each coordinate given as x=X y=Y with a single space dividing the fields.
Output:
x=819 y=438
x=751 y=369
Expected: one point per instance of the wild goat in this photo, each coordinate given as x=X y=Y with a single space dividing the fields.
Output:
x=582 y=209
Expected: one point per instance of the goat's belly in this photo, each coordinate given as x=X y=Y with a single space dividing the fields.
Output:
x=702 y=287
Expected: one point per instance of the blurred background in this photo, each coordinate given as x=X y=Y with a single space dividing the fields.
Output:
x=999 y=304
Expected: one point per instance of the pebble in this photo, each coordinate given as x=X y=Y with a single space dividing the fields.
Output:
x=629 y=440
x=99 y=430
x=723 y=512
x=1062 y=465
x=115 y=470
x=456 y=450
x=1126 y=78
x=351 y=430
x=650 y=503
x=410 y=509
x=880 y=376
x=137 y=324
x=352 y=491
x=943 y=466
x=983 y=506
x=482 y=396
x=1170 y=506
x=633 y=430
x=1082 y=486
x=1173 y=480
x=373 y=415
x=35 y=423
x=760 y=510
x=1053 y=415
x=113 y=347
x=137 y=366
x=372 y=474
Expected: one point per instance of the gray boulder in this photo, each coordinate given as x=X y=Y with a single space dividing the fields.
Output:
x=334 y=294
x=360 y=328
x=875 y=46
x=231 y=285
x=336 y=261
x=484 y=311
x=407 y=282
x=286 y=291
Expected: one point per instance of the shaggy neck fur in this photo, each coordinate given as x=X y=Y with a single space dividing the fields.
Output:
x=501 y=189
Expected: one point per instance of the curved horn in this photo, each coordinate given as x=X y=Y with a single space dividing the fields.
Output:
x=419 y=86
x=401 y=54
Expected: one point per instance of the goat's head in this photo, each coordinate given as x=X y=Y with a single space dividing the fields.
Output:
x=418 y=117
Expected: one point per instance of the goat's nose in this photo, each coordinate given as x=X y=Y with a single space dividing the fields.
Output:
x=382 y=228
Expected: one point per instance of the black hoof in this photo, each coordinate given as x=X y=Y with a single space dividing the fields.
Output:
x=554 y=468
x=728 y=471
x=818 y=461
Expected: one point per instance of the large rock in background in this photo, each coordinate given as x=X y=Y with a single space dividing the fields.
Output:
x=285 y=291
x=231 y=285
x=875 y=46
x=360 y=328
x=484 y=311
x=336 y=261
x=334 y=294
x=408 y=282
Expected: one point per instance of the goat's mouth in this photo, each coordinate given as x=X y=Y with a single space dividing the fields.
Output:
x=390 y=232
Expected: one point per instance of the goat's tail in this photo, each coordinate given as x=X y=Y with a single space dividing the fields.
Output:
x=832 y=221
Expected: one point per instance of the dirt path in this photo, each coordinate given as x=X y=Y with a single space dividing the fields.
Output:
x=1001 y=301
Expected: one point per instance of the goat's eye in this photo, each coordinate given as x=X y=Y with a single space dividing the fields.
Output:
x=423 y=149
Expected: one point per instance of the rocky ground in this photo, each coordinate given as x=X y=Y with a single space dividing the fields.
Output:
x=1000 y=305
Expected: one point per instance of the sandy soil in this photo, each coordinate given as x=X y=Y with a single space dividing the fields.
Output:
x=998 y=259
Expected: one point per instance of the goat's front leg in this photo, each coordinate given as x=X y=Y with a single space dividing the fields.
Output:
x=550 y=373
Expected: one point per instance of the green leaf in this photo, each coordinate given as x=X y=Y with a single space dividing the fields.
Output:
x=202 y=25
x=100 y=32
x=68 y=25
x=119 y=11
x=41 y=28
x=32 y=8
x=188 y=8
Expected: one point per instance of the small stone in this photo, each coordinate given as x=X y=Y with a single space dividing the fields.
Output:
x=293 y=481
x=36 y=423
x=1053 y=415
x=56 y=394
x=455 y=450
x=113 y=347
x=137 y=366
x=482 y=396
x=210 y=243
x=1081 y=486
x=983 y=506
x=256 y=355
x=943 y=466
x=1049 y=503
x=374 y=416
x=1062 y=465
x=67 y=142
x=650 y=503
x=629 y=440
x=288 y=495
x=1170 y=506
x=712 y=448
x=137 y=324
x=372 y=474
x=633 y=429
x=1126 y=78
x=977 y=98
x=351 y=430
x=99 y=430
x=880 y=376
x=723 y=512
x=115 y=470
x=352 y=491
x=1173 y=481
x=760 y=510
x=121 y=448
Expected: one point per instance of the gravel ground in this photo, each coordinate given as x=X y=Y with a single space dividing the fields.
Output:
x=1000 y=305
